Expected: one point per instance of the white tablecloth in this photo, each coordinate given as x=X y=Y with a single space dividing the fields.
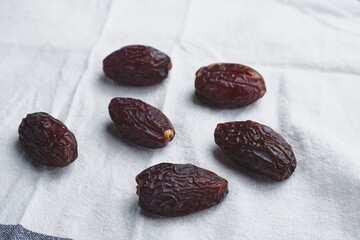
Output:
x=308 y=52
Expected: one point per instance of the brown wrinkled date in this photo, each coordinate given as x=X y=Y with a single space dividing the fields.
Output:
x=228 y=85
x=47 y=141
x=256 y=147
x=179 y=189
x=141 y=123
x=137 y=65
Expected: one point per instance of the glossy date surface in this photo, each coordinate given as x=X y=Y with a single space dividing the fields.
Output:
x=256 y=147
x=179 y=189
x=228 y=85
x=141 y=123
x=137 y=65
x=47 y=141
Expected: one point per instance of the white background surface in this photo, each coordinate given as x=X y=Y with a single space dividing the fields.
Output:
x=308 y=52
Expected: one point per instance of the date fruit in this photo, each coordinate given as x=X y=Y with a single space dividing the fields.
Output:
x=256 y=147
x=141 y=123
x=137 y=65
x=179 y=189
x=47 y=141
x=228 y=85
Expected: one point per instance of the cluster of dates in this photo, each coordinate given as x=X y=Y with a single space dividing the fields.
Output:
x=172 y=189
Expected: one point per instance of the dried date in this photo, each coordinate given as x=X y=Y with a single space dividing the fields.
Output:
x=47 y=141
x=256 y=147
x=137 y=65
x=141 y=123
x=179 y=189
x=228 y=85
